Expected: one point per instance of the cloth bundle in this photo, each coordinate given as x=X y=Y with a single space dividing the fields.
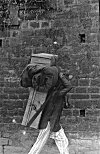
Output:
x=37 y=76
x=26 y=77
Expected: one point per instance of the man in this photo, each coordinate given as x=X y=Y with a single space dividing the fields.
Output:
x=49 y=123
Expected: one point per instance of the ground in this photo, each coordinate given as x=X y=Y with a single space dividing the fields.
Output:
x=77 y=146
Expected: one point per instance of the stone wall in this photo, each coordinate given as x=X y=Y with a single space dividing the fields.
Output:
x=73 y=35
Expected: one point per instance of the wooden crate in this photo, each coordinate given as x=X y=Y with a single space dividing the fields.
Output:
x=36 y=98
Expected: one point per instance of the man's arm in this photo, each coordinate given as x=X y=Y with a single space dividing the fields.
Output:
x=66 y=84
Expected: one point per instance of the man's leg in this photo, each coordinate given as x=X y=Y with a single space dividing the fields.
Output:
x=41 y=140
x=61 y=141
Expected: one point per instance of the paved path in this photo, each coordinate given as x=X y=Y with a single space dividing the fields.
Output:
x=49 y=150
x=52 y=149
x=23 y=146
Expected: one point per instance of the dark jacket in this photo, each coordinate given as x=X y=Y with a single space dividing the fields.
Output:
x=55 y=103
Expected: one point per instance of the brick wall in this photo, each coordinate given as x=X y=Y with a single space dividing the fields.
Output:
x=76 y=32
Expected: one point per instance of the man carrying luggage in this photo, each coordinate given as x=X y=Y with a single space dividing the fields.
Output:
x=49 y=125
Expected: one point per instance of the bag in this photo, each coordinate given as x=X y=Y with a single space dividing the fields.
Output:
x=25 y=80
x=46 y=78
x=37 y=81
x=27 y=74
x=50 y=76
x=39 y=76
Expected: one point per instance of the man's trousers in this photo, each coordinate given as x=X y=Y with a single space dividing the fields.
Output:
x=59 y=137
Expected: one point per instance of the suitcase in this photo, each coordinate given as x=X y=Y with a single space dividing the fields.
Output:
x=37 y=98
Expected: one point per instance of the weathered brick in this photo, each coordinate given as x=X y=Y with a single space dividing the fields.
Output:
x=67 y=112
x=88 y=135
x=25 y=42
x=34 y=24
x=84 y=82
x=4 y=72
x=40 y=32
x=95 y=62
x=95 y=103
x=35 y=42
x=92 y=38
x=69 y=128
x=24 y=25
x=75 y=112
x=90 y=119
x=12 y=104
x=13 y=112
x=68 y=2
x=95 y=53
x=95 y=82
x=94 y=47
x=94 y=30
x=3 y=96
x=3 y=111
x=26 y=33
x=72 y=135
x=7 y=119
x=18 y=103
x=81 y=90
x=94 y=127
x=83 y=104
x=11 y=84
x=14 y=42
x=13 y=96
x=92 y=112
x=21 y=112
x=95 y=22
x=13 y=127
x=4 y=33
x=86 y=22
x=79 y=96
x=23 y=96
x=83 y=127
x=93 y=14
x=6 y=105
x=95 y=7
x=73 y=120
x=44 y=24
x=93 y=90
x=15 y=90
x=95 y=96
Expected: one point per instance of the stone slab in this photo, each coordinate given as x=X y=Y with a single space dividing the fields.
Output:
x=14 y=150
x=4 y=141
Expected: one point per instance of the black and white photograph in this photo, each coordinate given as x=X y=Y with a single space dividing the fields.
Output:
x=49 y=77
